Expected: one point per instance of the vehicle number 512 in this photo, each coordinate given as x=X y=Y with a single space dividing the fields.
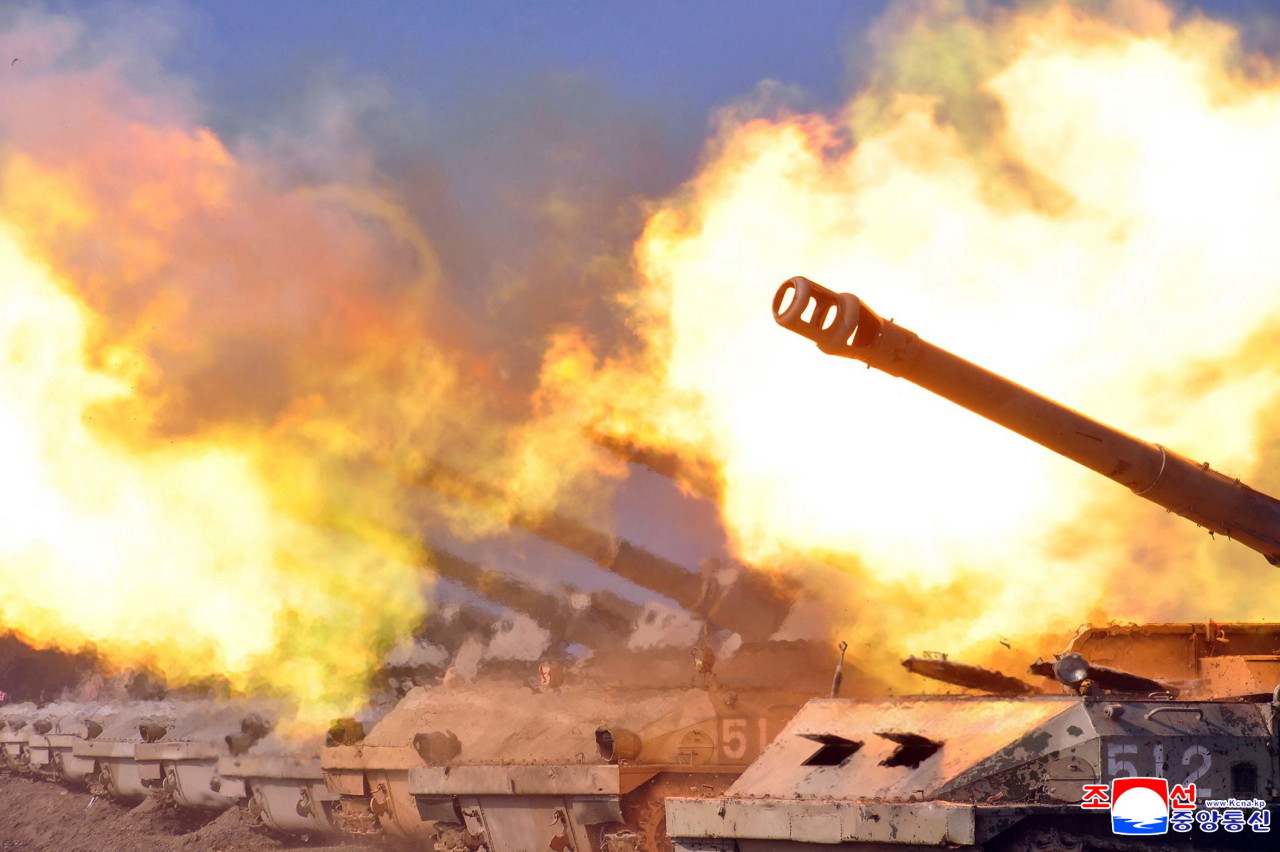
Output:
x=1123 y=759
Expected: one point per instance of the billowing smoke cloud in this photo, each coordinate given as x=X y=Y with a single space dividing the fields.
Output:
x=235 y=346
x=1076 y=195
x=227 y=355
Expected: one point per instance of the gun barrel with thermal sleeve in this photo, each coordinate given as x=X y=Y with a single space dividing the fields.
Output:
x=841 y=324
x=754 y=605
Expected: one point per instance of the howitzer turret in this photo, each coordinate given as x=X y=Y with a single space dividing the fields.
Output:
x=842 y=325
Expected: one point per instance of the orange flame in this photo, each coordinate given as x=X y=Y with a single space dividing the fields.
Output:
x=193 y=360
x=1077 y=199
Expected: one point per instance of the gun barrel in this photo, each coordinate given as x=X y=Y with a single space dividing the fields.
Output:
x=693 y=474
x=601 y=619
x=968 y=676
x=754 y=605
x=596 y=619
x=842 y=325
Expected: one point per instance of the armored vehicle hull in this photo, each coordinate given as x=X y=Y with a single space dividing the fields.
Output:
x=982 y=772
x=586 y=764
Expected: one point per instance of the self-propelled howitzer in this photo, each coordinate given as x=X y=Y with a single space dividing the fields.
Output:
x=841 y=324
x=1193 y=710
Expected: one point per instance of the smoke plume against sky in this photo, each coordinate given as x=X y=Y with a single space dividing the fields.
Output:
x=264 y=264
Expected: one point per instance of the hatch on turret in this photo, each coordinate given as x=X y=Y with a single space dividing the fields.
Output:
x=1204 y=659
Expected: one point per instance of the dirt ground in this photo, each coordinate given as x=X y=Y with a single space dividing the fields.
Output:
x=39 y=815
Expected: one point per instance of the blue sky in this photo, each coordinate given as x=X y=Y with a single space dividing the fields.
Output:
x=458 y=76
x=689 y=56
x=463 y=77
x=686 y=57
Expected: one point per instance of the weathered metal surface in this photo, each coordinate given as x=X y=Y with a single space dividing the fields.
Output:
x=119 y=772
x=170 y=751
x=171 y=745
x=295 y=765
x=545 y=742
x=285 y=790
x=825 y=822
x=838 y=758
x=533 y=727
x=15 y=730
x=293 y=806
x=522 y=822
x=1240 y=675
x=69 y=767
x=190 y=782
x=1198 y=742
x=83 y=723
x=969 y=728
x=556 y=780
x=43 y=740
x=1202 y=660
x=106 y=748
x=685 y=844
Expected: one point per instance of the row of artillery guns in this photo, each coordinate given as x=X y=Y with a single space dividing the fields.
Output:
x=133 y=749
x=573 y=752
x=640 y=750
x=576 y=747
